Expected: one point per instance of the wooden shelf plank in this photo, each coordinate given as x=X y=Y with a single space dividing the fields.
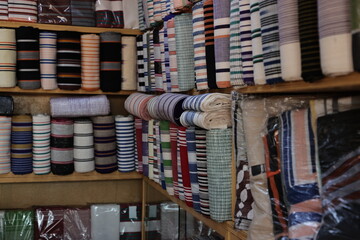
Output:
x=74 y=177
x=54 y=27
x=222 y=228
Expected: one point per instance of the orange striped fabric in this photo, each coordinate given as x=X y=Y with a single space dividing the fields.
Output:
x=90 y=74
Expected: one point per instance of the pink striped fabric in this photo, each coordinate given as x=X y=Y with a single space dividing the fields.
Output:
x=136 y=104
x=22 y=10
x=90 y=74
x=172 y=52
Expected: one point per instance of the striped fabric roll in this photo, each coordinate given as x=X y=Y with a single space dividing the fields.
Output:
x=105 y=144
x=90 y=74
x=151 y=61
x=5 y=139
x=105 y=13
x=145 y=147
x=77 y=222
x=157 y=62
x=21 y=144
x=62 y=146
x=28 y=59
x=270 y=40
x=4 y=10
x=140 y=64
x=309 y=40
x=110 y=61
x=48 y=60
x=136 y=104
x=170 y=107
x=290 y=51
x=130 y=221
x=41 y=144
x=145 y=11
x=105 y=221
x=208 y=120
x=131 y=16
x=128 y=63
x=138 y=137
x=199 y=46
x=150 y=10
x=174 y=157
x=125 y=140
x=8 y=58
x=162 y=60
x=218 y=147
x=181 y=4
x=69 y=60
x=222 y=42
x=355 y=26
x=256 y=39
x=207 y=102
x=173 y=55
x=167 y=84
x=166 y=151
x=184 y=51
x=83 y=146
x=141 y=14
x=152 y=107
x=235 y=45
x=151 y=149
x=180 y=183
x=157 y=10
x=83 y=13
x=191 y=148
x=118 y=13
x=335 y=37
x=209 y=43
x=19 y=224
x=160 y=156
x=22 y=10
x=157 y=171
x=54 y=11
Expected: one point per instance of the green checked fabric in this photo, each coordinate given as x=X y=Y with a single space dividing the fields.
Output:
x=18 y=225
x=218 y=148
x=166 y=155
x=2 y=215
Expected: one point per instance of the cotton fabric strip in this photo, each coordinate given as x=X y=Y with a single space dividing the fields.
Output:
x=151 y=61
x=125 y=140
x=151 y=144
x=157 y=61
x=8 y=58
x=5 y=138
x=141 y=14
x=48 y=60
x=174 y=157
x=209 y=42
x=22 y=10
x=138 y=136
x=145 y=147
x=235 y=45
x=84 y=160
x=83 y=13
x=128 y=63
x=105 y=221
x=4 y=10
x=41 y=144
x=90 y=69
x=140 y=64
x=166 y=59
x=55 y=11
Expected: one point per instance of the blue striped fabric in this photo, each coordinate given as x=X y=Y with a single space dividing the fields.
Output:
x=162 y=59
x=169 y=107
x=146 y=84
x=145 y=148
x=207 y=102
x=125 y=140
x=48 y=60
x=142 y=25
x=167 y=87
x=157 y=10
x=194 y=102
x=151 y=46
x=157 y=159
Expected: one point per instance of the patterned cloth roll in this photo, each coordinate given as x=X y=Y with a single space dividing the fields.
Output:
x=5 y=136
x=109 y=13
x=151 y=149
x=83 y=146
x=207 y=102
x=21 y=144
x=145 y=147
x=208 y=120
x=173 y=55
x=235 y=45
x=128 y=63
x=49 y=223
x=110 y=61
x=138 y=136
x=136 y=104
x=141 y=14
x=181 y=4
x=22 y=10
x=48 y=60
x=170 y=107
x=146 y=83
x=105 y=144
x=157 y=162
x=28 y=59
x=140 y=63
x=125 y=139
x=105 y=222
x=8 y=58
x=151 y=61
x=149 y=5
x=77 y=222
x=83 y=13
x=90 y=72
x=166 y=151
x=355 y=23
x=335 y=37
x=270 y=40
x=41 y=144
x=162 y=59
x=62 y=146
x=174 y=157
x=131 y=16
x=4 y=10
x=222 y=42
x=157 y=10
x=167 y=84
x=218 y=147
x=19 y=224
x=55 y=11
x=130 y=221
x=209 y=43
x=69 y=60
x=157 y=61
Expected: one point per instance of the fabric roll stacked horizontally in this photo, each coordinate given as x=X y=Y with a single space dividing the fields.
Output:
x=83 y=13
x=22 y=10
x=54 y=11
x=5 y=136
x=90 y=69
x=136 y=104
x=48 y=60
x=8 y=58
x=41 y=144
x=83 y=146
x=4 y=10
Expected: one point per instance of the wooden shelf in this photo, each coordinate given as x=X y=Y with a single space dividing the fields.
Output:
x=54 y=27
x=222 y=228
x=74 y=177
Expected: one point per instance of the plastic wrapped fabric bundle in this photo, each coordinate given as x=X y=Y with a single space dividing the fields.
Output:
x=136 y=104
x=77 y=224
x=79 y=106
x=83 y=146
x=209 y=43
x=22 y=10
x=90 y=69
x=2 y=234
x=4 y=9
x=125 y=138
x=8 y=58
x=207 y=102
x=152 y=230
x=128 y=63
x=41 y=144
x=6 y=105
x=49 y=223
x=335 y=37
x=28 y=57
x=170 y=107
x=220 y=119
x=109 y=13
x=54 y=11
x=218 y=146
x=19 y=224
x=355 y=22
x=169 y=220
x=48 y=60
x=105 y=222
x=62 y=146
x=166 y=150
x=5 y=138
x=130 y=221
x=131 y=16
x=83 y=13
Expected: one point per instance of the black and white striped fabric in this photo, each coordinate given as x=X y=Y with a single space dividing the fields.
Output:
x=140 y=64
x=84 y=160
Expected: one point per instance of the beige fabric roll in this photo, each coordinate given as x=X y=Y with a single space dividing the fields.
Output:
x=7 y=58
x=129 y=56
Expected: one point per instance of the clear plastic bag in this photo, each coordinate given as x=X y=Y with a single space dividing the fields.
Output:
x=130 y=221
x=19 y=224
x=77 y=224
x=54 y=12
x=49 y=223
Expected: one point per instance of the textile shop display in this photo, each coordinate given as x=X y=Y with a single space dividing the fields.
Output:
x=355 y=27
x=105 y=221
x=83 y=13
x=77 y=224
x=41 y=144
x=110 y=61
x=55 y=11
x=28 y=58
x=62 y=146
x=128 y=63
x=8 y=58
x=5 y=138
x=109 y=13
x=130 y=221
x=22 y=10
x=48 y=60
x=18 y=224
x=136 y=104
x=49 y=223
x=131 y=16
x=84 y=160
x=79 y=106
x=90 y=69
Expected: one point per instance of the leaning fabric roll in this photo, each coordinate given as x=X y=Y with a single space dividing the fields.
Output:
x=8 y=58
x=5 y=136
x=83 y=146
x=170 y=107
x=41 y=144
x=207 y=102
x=128 y=63
x=220 y=119
x=136 y=104
x=235 y=45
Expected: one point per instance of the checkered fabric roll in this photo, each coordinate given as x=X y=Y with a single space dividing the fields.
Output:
x=270 y=40
x=90 y=69
x=125 y=139
x=105 y=221
x=170 y=107
x=355 y=26
x=309 y=40
x=77 y=222
x=145 y=148
x=62 y=146
x=157 y=61
x=22 y=10
x=209 y=43
x=138 y=136
x=335 y=37
x=166 y=151
x=49 y=222
x=105 y=144
x=19 y=224
x=41 y=144
x=191 y=148
x=129 y=70
x=136 y=104
x=131 y=16
x=28 y=58
x=68 y=60
x=8 y=58
x=199 y=46
x=130 y=221
x=21 y=144
x=142 y=24
x=157 y=10
x=140 y=64
x=83 y=13
x=54 y=11
x=235 y=45
x=207 y=102
x=110 y=61
x=256 y=39
x=184 y=51
x=218 y=147
x=201 y=165
x=222 y=42
x=5 y=136
x=170 y=23
x=48 y=60
x=83 y=146
x=151 y=61
x=4 y=10
x=151 y=144
x=174 y=151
